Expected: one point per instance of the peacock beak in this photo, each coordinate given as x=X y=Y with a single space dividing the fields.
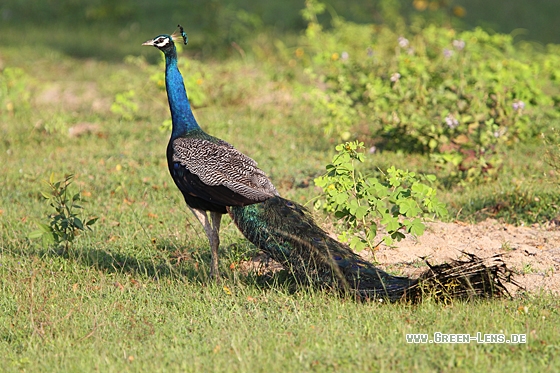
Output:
x=149 y=42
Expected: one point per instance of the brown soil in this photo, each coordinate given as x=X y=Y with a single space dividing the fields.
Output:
x=533 y=253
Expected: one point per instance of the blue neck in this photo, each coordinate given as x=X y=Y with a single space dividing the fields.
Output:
x=181 y=113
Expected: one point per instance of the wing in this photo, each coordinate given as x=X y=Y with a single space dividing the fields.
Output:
x=217 y=172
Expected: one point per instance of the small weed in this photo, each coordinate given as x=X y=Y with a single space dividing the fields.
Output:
x=506 y=246
x=419 y=264
x=528 y=269
x=64 y=225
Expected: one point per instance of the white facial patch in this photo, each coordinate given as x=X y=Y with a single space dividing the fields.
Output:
x=161 y=42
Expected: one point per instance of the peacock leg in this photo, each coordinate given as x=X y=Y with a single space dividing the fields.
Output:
x=215 y=243
x=212 y=229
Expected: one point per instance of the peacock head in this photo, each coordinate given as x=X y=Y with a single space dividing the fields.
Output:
x=166 y=43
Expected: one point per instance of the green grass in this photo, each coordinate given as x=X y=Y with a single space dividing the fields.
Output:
x=61 y=314
x=121 y=300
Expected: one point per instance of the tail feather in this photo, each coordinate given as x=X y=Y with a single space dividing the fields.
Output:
x=286 y=231
x=469 y=278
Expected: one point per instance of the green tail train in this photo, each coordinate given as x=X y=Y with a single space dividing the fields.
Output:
x=286 y=232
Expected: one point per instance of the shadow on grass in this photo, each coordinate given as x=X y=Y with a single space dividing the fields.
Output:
x=398 y=139
x=166 y=262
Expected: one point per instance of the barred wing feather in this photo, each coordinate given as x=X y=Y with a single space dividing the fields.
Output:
x=218 y=164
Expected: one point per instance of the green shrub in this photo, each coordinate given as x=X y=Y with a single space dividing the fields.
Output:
x=459 y=97
x=396 y=200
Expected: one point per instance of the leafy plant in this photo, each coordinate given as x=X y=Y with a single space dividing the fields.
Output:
x=396 y=200
x=460 y=97
x=64 y=224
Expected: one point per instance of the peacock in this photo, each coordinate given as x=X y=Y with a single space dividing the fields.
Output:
x=210 y=173
x=216 y=179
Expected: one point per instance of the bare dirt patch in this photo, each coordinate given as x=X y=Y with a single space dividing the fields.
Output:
x=73 y=96
x=533 y=253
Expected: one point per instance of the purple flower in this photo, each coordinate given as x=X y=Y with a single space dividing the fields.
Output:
x=447 y=53
x=370 y=52
x=403 y=42
x=395 y=77
x=459 y=44
x=344 y=56
x=518 y=105
x=372 y=150
x=451 y=121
